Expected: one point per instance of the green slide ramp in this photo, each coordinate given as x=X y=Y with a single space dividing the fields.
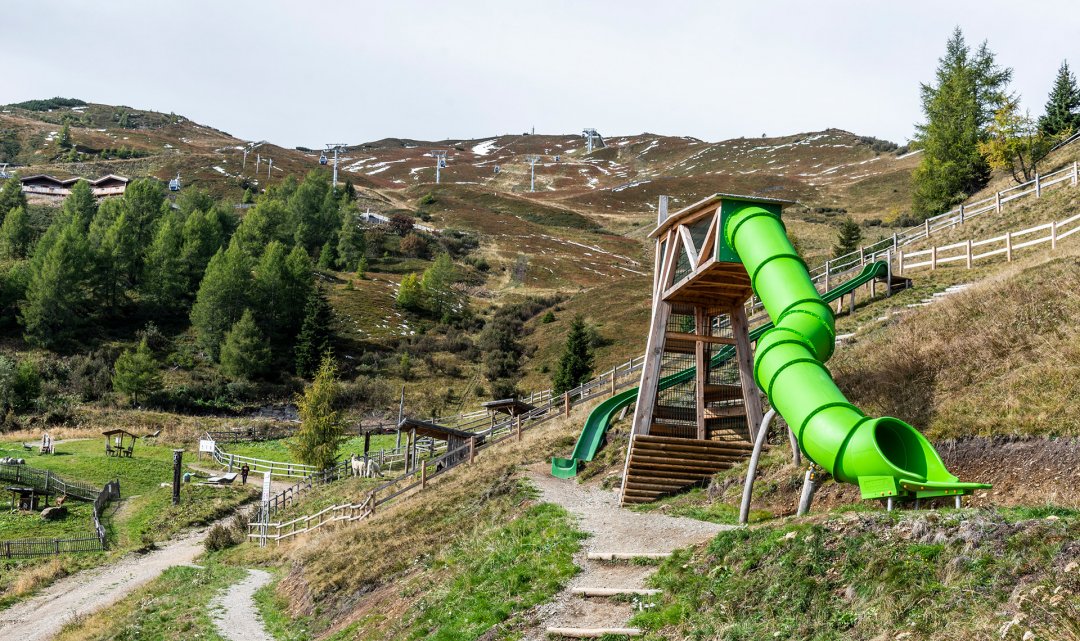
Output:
x=884 y=456
x=596 y=425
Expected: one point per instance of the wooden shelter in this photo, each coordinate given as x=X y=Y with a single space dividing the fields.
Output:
x=456 y=440
x=510 y=406
x=26 y=498
x=698 y=407
x=119 y=442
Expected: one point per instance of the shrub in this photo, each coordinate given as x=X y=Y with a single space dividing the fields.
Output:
x=218 y=538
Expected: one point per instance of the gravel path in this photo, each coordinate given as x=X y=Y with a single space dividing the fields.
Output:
x=41 y=617
x=234 y=611
x=610 y=529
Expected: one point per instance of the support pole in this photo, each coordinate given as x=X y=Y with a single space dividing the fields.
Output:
x=807 y=492
x=890 y=503
x=701 y=370
x=969 y=253
x=997 y=202
x=744 y=356
x=1053 y=234
x=1008 y=246
x=751 y=470
x=958 y=504
x=796 y=451
x=177 y=464
x=472 y=449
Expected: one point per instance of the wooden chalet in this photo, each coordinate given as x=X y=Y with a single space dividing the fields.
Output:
x=46 y=185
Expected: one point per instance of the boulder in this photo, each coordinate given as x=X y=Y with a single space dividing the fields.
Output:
x=54 y=513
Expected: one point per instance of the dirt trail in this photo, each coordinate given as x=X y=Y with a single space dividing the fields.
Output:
x=234 y=611
x=41 y=617
x=610 y=529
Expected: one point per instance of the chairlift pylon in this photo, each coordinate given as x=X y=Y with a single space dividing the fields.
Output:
x=174 y=184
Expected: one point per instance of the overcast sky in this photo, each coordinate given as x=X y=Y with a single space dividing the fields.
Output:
x=316 y=71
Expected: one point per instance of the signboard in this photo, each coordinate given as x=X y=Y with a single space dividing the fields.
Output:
x=206 y=445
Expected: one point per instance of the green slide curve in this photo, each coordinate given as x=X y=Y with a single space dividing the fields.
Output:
x=596 y=425
x=884 y=456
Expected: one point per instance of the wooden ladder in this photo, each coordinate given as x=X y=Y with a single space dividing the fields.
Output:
x=659 y=465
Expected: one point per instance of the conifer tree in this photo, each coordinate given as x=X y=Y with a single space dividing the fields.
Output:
x=576 y=361
x=57 y=300
x=15 y=235
x=223 y=295
x=244 y=353
x=165 y=283
x=11 y=196
x=1063 y=105
x=326 y=256
x=117 y=258
x=436 y=285
x=313 y=340
x=65 y=137
x=1015 y=143
x=848 y=238
x=281 y=292
x=959 y=106
x=79 y=205
x=136 y=373
x=322 y=428
x=410 y=294
x=299 y=287
x=351 y=246
x=202 y=237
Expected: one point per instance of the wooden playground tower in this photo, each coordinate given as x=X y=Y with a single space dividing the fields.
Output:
x=688 y=425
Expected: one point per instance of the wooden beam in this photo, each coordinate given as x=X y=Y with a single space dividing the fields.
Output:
x=688 y=246
x=708 y=248
x=654 y=347
x=744 y=355
x=716 y=340
x=701 y=374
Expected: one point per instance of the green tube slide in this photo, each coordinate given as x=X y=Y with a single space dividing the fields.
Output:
x=884 y=456
x=592 y=434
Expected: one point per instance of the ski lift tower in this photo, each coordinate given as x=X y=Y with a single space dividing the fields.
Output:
x=250 y=147
x=532 y=160
x=590 y=136
x=3 y=170
x=440 y=162
x=335 y=147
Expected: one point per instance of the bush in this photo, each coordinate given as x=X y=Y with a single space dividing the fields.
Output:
x=549 y=317
x=219 y=537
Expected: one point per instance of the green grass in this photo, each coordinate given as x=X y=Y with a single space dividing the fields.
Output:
x=153 y=517
x=936 y=575
x=173 y=606
x=491 y=580
x=278 y=450
x=25 y=525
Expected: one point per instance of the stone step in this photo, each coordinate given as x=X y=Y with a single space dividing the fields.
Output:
x=625 y=556
x=614 y=591
x=593 y=633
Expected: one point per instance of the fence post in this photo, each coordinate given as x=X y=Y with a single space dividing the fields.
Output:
x=933 y=257
x=969 y=253
x=230 y=462
x=1008 y=246
x=1074 y=175
x=926 y=226
x=1038 y=186
x=961 y=213
x=566 y=402
x=900 y=261
x=472 y=449
x=997 y=202
x=423 y=475
x=1053 y=234
x=374 y=502
x=517 y=419
x=827 y=275
x=613 y=382
x=894 y=242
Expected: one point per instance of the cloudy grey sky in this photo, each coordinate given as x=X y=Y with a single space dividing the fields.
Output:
x=314 y=71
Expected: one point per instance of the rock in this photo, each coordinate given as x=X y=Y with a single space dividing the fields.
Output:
x=54 y=513
x=790 y=535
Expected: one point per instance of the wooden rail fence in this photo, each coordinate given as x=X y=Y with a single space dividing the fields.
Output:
x=96 y=542
x=970 y=251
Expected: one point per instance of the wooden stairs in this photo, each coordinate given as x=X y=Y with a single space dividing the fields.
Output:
x=657 y=466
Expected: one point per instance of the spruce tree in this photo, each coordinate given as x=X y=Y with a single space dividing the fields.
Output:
x=244 y=353
x=80 y=205
x=1063 y=105
x=959 y=107
x=313 y=341
x=326 y=256
x=11 y=196
x=117 y=259
x=848 y=238
x=322 y=428
x=576 y=361
x=350 y=247
x=263 y=223
x=65 y=137
x=299 y=287
x=202 y=237
x=57 y=299
x=223 y=295
x=282 y=288
x=136 y=373
x=410 y=294
x=15 y=235
x=436 y=285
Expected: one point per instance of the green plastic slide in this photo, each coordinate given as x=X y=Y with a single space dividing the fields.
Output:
x=596 y=425
x=884 y=456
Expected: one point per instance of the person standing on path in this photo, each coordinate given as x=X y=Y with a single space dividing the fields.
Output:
x=244 y=473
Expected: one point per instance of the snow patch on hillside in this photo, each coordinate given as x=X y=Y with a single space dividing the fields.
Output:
x=485 y=147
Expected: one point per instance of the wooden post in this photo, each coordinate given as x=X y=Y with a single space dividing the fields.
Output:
x=517 y=422
x=961 y=213
x=654 y=350
x=1074 y=174
x=900 y=259
x=1008 y=246
x=745 y=357
x=1038 y=186
x=701 y=370
x=566 y=403
x=472 y=449
x=423 y=475
x=851 y=310
x=827 y=275
x=613 y=381
x=926 y=225
x=933 y=257
x=969 y=253
x=997 y=202
x=1053 y=234
x=374 y=502
x=862 y=256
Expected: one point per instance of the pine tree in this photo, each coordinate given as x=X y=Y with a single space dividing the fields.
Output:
x=15 y=235
x=326 y=256
x=361 y=267
x=203 y=236
x=65 y=137
x=144 y=202
x=410 y=294
x=350 y=247
x=322 y=428
x=1063 y=105
x=117 y=259
x=576 y=361
x=57 y=300
x=299 y=288
x=282 y=287
x=262 y=224
x=223 y=296
x=848 y=238
x=244 y=354
x=11 y=196
x=136 y=373
x=79 y=205
x=959 y=106
x=248 y=198
x=165 y=283
x=313 y=341
x=436 y=284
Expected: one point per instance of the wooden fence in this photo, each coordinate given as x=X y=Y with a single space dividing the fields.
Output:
x=96 y=542
x=47 y=481
x=417 y=478
x=970 y=251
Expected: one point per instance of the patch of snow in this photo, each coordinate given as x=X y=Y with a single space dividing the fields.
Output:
x=485 y=147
